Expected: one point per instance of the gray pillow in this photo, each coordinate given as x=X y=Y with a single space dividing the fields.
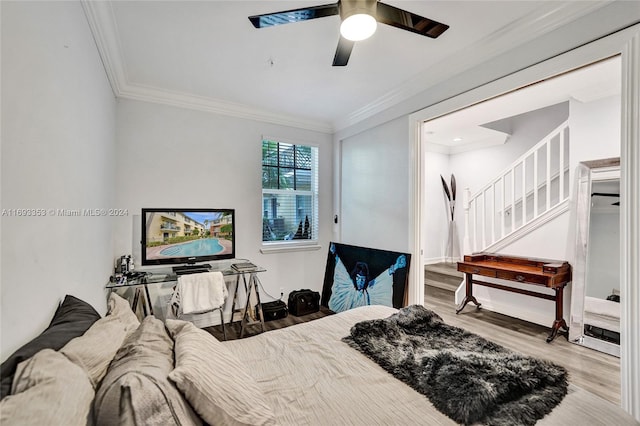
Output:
x=214 y=381
x=135 y=389
x=72 y=318
x=48 y=389
x=95 y=349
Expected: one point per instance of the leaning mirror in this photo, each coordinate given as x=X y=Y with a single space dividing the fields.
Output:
x=595 y=294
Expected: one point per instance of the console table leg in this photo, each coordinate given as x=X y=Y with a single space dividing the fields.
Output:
x=469 y=293
x=557 y=325
x=559 y=321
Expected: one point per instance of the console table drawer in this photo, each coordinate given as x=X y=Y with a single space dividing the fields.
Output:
x=478 y=270
x=521 y=277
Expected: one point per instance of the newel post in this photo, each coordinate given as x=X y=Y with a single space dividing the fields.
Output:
x=466 y=241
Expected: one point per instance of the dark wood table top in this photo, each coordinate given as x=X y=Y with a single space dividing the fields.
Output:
x=546 y=272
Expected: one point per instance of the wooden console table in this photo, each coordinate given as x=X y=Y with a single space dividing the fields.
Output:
x=541 y=272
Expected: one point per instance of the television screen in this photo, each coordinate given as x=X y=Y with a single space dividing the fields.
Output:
x=187 y=236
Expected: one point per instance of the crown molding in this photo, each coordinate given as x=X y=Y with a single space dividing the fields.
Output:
x=185 y=100
x=101 y=19
x=550 y=16
x=103 y=26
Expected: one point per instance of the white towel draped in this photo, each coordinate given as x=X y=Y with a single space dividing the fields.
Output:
x=197 y=293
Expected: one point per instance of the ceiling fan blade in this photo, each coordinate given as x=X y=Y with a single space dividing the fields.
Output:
x=409 y=21
x=343 y=52
x=294 y=15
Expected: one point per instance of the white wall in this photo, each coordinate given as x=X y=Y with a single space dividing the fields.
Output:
x=173 y=157
x=436 y=212
x=58 y=128
x=595 y=130
x=375 y=183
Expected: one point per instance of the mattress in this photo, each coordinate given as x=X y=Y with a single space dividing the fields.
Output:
x=310 y=377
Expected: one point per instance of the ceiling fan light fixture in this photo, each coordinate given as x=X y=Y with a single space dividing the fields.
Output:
x=359 y=26
x=358 y=21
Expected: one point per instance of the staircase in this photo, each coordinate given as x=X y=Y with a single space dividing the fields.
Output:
x=530 y=192
x=444 y=276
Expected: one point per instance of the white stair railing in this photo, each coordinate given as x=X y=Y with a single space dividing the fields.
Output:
x=534 y=184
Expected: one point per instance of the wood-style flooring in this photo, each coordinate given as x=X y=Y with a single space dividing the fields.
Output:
x=233 y=330
x=591 y=370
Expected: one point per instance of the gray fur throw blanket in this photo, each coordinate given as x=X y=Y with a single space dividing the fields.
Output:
x=466 y=377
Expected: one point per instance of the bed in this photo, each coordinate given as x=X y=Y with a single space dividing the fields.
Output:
x=309 y=376
x=161 y=373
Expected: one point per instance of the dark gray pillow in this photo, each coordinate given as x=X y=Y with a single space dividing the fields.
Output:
x=72 y=318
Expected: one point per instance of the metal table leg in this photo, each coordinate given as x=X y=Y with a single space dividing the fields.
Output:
x=253 y=287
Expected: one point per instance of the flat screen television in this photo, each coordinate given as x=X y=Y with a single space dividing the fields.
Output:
x=175 y=236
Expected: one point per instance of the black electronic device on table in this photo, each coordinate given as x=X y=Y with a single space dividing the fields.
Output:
x=191 y=269
x=135 y=275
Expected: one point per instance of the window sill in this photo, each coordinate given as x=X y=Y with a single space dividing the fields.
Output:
x=288 y=247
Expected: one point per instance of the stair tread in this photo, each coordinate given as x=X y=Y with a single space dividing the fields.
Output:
x=450 y=269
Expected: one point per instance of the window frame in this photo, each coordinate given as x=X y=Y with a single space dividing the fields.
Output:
x=294 y=244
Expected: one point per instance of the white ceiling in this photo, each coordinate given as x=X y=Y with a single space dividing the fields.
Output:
x=463 y=130
x=207 y=55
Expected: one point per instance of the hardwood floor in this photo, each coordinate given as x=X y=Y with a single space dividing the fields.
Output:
x=233 y=330
x=591 y=370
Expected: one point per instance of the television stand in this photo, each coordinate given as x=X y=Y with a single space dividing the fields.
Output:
x=191 y=269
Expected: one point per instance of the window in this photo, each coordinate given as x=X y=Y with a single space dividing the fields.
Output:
x=289 y=192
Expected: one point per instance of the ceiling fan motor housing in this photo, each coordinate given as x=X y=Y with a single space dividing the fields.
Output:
x=354 y=7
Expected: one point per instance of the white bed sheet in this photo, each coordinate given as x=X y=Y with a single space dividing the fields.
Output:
x=310 y=377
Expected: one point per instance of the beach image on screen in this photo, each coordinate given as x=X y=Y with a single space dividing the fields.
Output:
x=178 y=234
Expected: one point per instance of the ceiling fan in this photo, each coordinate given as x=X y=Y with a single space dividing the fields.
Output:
x=359 y=20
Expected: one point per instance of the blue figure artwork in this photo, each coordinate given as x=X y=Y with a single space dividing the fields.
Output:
x=357 y=288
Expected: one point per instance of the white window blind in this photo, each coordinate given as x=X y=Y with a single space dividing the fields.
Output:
x=289 y=192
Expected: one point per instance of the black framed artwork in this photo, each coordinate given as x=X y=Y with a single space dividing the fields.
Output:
x=359 y=276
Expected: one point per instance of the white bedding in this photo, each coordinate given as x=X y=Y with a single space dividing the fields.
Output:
x=310 y=377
